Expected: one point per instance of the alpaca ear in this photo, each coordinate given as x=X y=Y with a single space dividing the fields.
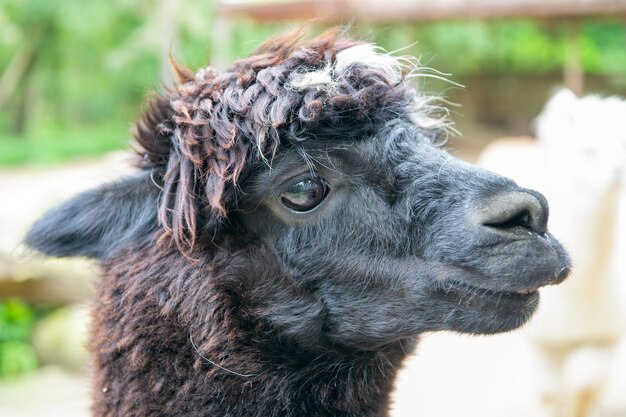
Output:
x=98 y=221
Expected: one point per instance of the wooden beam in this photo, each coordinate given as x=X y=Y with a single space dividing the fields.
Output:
x=45 y=291
x=419 y=10
x=281 y=11
x=50 y=282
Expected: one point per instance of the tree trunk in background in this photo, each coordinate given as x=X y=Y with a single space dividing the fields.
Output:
x=573 y=75
x=221 y=36
x=166 y=20
x=16 y=80
x=23 y=99
x=15 y=71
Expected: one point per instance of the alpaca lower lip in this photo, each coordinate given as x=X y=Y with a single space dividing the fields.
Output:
x=478 y=310
x=469 y=292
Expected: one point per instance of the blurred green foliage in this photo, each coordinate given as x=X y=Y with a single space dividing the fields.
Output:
x=84 y=68
x=519 y=46
x=16 y=323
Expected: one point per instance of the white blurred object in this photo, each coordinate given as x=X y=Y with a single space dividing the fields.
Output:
x=578 y=162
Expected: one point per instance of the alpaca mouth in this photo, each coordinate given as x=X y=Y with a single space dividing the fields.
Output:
x=465 y=286
x=493 y=299
x=479 y=310
x=494 y=285
x=468 y=291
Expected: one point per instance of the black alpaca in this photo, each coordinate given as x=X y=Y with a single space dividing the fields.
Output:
x=293 y=230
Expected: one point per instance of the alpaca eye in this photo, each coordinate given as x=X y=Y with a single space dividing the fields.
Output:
x=305 y=195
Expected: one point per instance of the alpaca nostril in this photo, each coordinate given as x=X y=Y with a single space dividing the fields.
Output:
x=521 y=219
x=515 y=209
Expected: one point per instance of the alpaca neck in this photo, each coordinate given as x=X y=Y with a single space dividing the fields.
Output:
x=301 y=384
x=283 y=377
x=176 y=338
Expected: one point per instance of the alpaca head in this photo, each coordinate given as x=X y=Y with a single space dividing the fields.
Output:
x=322 y=154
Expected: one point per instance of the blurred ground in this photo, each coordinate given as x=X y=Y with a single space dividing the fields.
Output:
x=51 y=392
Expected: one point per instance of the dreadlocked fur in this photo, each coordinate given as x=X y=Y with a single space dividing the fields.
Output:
x=206 y=134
